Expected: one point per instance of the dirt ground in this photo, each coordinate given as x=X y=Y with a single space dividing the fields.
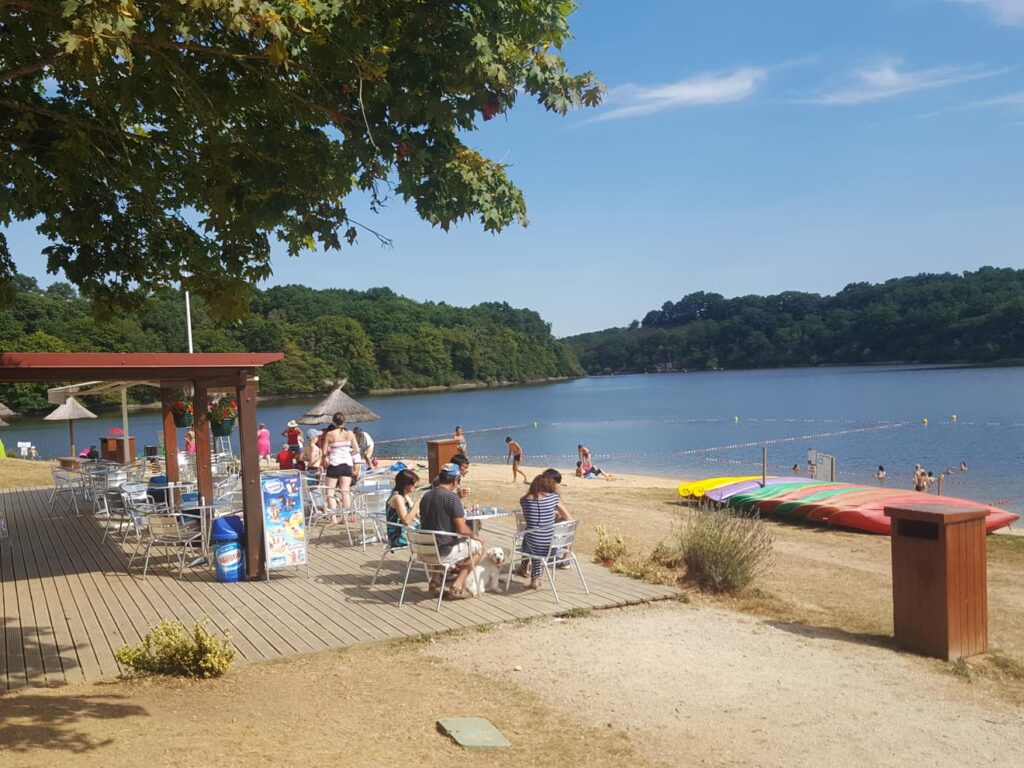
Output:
x=801 y=672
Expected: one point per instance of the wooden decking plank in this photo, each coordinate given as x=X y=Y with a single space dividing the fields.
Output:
x=14 y=656
x=31 y=610
x=62 y=661
x=104 y=622
x=76 y=610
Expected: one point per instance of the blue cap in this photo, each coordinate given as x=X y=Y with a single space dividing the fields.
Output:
x=452 y=470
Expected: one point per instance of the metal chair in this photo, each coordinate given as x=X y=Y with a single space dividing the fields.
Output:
x=559 y=552
x=320 y=511
x=66 y=485
x=423 y=550
x=175 y=530
x=370 y=510
x=389 y=547
x=515 y=558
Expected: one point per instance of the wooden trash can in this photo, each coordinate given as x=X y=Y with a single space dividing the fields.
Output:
x=939 y=580
x=440 y=452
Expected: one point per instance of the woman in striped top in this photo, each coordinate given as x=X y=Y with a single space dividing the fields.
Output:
x=541 y=509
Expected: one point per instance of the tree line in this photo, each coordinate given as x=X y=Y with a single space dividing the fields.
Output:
x=375 y=338
x=975 y=317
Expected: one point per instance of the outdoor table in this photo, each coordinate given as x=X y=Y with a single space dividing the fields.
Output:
x=475 y=517
x=206 y=513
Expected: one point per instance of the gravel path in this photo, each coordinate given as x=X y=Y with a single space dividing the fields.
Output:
x=702 y=686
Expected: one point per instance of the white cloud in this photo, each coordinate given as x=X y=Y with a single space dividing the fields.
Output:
x=1009 y=12
x=705 y=89
x=888 y=79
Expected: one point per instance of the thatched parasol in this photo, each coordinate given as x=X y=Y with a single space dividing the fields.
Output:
x=5 y=411
x=4 y=423
x=69 y=412
x=337 y=401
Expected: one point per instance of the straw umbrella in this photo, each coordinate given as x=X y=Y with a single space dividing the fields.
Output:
x=4 y=423
x=69 y=412
x=337 y=402
x=5 y=411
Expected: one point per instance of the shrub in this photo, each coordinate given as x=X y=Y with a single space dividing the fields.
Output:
x=609 y=548
x=723 y=552
x=170 y=649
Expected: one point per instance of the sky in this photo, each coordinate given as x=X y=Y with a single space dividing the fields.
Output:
x=743 y=147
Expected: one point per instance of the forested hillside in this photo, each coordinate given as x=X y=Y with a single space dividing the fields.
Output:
x=971 y=317
x=375 y=338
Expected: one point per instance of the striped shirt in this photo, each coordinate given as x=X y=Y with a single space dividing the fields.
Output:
x=539 y=513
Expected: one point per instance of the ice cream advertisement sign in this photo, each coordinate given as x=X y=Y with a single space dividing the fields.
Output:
x=284 y=527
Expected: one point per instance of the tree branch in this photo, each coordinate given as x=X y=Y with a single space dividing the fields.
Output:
x=28 y=69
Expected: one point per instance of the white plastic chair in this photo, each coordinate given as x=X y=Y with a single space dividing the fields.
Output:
x=390 y=548
x=423 y=550
x=559 y=552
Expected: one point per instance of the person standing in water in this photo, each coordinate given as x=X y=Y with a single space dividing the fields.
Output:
x=460 y=441
x=880 y=475
x=515 y=452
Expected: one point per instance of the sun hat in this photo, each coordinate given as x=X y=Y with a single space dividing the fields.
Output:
x=292 y=424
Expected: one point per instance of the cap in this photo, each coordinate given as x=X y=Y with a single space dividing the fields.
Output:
x=292 y=424
x=313 y=433
x=451 y=470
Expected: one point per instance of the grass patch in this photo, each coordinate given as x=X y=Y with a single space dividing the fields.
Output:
x=423 y=639
x=960 y=668
x=575 y=613
x=1006 y=666
x=483 y=629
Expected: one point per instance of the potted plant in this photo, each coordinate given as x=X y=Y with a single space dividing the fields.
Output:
x=222 y=412
x=181 y=410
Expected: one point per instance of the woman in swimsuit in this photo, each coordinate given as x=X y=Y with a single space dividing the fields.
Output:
x=338 y=447
x=460 y=440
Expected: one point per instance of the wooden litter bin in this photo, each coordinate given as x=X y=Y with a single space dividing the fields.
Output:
x=440 y=452
x=939 y=580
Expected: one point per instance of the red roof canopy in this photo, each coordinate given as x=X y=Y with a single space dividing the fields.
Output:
x=225 y=369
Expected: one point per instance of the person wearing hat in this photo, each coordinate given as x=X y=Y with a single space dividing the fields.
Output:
x=441 y=510
x=293 y=436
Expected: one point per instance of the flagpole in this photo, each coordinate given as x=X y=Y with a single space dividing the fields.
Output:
x=188 y=321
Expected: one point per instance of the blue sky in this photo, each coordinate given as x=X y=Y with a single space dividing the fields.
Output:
x=744 y=147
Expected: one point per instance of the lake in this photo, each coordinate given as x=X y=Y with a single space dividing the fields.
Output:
x=701 y=424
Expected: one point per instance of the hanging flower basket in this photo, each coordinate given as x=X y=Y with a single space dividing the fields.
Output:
x=222 y=428
x=181 y=409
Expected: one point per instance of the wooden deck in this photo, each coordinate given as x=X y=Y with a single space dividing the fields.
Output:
x=68 y=602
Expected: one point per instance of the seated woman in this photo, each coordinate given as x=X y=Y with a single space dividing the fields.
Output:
x=541 y=507
x=588 y=471
x=400 y=507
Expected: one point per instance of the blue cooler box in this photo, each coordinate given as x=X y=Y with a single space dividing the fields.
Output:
x=226 y=538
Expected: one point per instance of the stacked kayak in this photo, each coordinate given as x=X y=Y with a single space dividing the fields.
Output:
x=859 y=507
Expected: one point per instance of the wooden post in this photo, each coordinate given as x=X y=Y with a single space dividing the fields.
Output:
x=204 y=468
x=170 y=436
x=252 y=506
x=764 y=465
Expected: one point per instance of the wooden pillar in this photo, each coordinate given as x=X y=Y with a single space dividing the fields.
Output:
x=170 y=435
x=204 y=466
x=252 y=505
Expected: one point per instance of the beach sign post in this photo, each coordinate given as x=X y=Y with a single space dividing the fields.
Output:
x=284 y=526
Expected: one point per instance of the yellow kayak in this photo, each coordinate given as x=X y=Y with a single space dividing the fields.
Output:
x=698 y=488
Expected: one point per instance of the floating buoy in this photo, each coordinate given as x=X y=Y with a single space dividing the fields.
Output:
x=535 y=425
x=736 y=419
x=953 y=417
x=925 y=422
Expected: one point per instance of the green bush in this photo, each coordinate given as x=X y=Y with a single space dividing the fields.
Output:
x=722 y=552
x=170 y=649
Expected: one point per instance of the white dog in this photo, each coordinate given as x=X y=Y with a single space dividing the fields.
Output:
x=487 y=574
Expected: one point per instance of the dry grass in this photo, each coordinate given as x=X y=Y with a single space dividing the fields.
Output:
x=18 y=473
x=365 y=706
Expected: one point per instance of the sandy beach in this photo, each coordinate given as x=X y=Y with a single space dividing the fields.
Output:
x=800 y=671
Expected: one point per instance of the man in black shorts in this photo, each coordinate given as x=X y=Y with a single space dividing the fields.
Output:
x=515 y=452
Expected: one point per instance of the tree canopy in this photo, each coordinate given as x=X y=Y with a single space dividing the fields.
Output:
x=167 y=143
x=375 y=338
x=971 y=317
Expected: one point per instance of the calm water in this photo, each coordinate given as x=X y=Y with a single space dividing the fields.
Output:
x=703 y=424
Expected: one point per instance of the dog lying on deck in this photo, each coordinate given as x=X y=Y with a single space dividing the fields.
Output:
x=487 y=574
